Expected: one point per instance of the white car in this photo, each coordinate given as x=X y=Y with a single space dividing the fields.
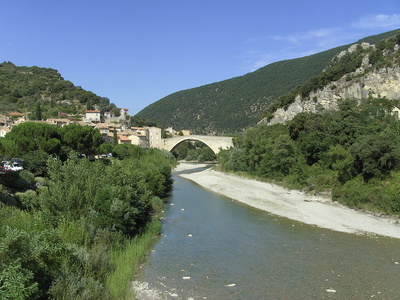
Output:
x=13 y=167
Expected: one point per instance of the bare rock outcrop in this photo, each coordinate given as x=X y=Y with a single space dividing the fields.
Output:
x=376 y=83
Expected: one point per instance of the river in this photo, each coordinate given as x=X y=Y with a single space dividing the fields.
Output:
x=215 y=248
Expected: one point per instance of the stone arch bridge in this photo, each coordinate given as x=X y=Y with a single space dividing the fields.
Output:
x=214 y=142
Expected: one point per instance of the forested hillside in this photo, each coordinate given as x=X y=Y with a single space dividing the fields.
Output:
x=23 y=88
x=235 y=104
x=352 y=151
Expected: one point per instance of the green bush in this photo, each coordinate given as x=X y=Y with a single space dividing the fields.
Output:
x=58 y=246
x=28 y=177
x=29 y=199
x=18 y=180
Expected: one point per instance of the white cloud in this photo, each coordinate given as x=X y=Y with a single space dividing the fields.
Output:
x=378 y=21
x=315 y=34
x=266 y=50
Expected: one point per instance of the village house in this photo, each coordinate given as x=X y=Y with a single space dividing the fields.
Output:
x=138 y=140
x=141 y=136
x=58 y=122
x=173 y=132
x=396 y=111
x=154 y=137
x=16 y=118
x=108 y=114
x=124 y=140
x=93 y=116
x=3 y=120
x=185 y=132
x=4 y=130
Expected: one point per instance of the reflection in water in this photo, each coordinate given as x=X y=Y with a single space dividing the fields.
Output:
x=216 y=248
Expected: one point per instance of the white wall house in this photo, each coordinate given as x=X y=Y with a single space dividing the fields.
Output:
x=92 y=115
x=153 y=135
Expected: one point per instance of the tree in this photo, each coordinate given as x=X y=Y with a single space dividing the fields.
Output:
x=340 y=159
x=9 y=148
x=36 y=162
x=81 y=139
x=37 y=115
x=376 y=155
x=30 y=136
x=115 y=137
x=313 y=146
x=105 y=148
x=121 y=151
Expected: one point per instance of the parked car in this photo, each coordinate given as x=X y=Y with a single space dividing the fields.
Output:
x=2 y=169
x=11 y=166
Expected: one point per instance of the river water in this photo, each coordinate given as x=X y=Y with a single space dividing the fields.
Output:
x=215 y=248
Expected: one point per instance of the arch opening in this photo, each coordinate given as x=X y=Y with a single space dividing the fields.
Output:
x=193 y=150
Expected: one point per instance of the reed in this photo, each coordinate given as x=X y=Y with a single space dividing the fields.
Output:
x=127 y=260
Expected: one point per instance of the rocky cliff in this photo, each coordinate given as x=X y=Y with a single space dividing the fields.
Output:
x=366 y=81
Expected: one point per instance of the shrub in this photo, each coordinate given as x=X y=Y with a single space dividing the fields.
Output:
x=28 y=199
x=28 y=177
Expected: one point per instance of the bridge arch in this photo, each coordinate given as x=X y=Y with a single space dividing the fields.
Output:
x=216 y=143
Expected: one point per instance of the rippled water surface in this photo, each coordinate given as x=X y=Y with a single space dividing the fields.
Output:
x=216 y=248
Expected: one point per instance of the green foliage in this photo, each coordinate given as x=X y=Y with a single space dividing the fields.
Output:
x=122 y=151
x=18 y=181
x=38 y=142
x=59 y=245
x=374 y=195
x=127 y=260
x=105 y=148
x=16 y=282
x=36 y=162
x=350 y=152
x=138 y=122
x=30 y=136
x=340 y=160
x=81 y=139
x=28 y=199
x=193 y=151
x=31 y=256
x=376 y=155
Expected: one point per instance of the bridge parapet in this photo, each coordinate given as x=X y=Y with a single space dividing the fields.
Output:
x=214 y=142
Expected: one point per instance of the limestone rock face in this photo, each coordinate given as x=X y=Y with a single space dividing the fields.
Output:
x=378 y=83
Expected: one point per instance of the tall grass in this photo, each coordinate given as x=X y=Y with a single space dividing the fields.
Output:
x=127 y=260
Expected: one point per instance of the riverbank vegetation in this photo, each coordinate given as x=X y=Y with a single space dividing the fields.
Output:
x=77 y=227
x=354 y=153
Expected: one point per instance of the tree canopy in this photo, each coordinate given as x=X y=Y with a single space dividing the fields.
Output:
x=32 y=136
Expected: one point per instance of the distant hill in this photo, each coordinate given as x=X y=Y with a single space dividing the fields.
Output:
x=232 y=105
x=23 y=89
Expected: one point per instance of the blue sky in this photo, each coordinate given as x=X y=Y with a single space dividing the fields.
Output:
x=137 y=52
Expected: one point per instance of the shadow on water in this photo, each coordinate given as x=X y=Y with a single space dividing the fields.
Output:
x=194 y=169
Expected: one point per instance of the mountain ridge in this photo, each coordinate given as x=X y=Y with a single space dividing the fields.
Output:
x=23 y=89
x=232 y=105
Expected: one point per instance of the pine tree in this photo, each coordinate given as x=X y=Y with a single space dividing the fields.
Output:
x=38 y=113
x=115 y=137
